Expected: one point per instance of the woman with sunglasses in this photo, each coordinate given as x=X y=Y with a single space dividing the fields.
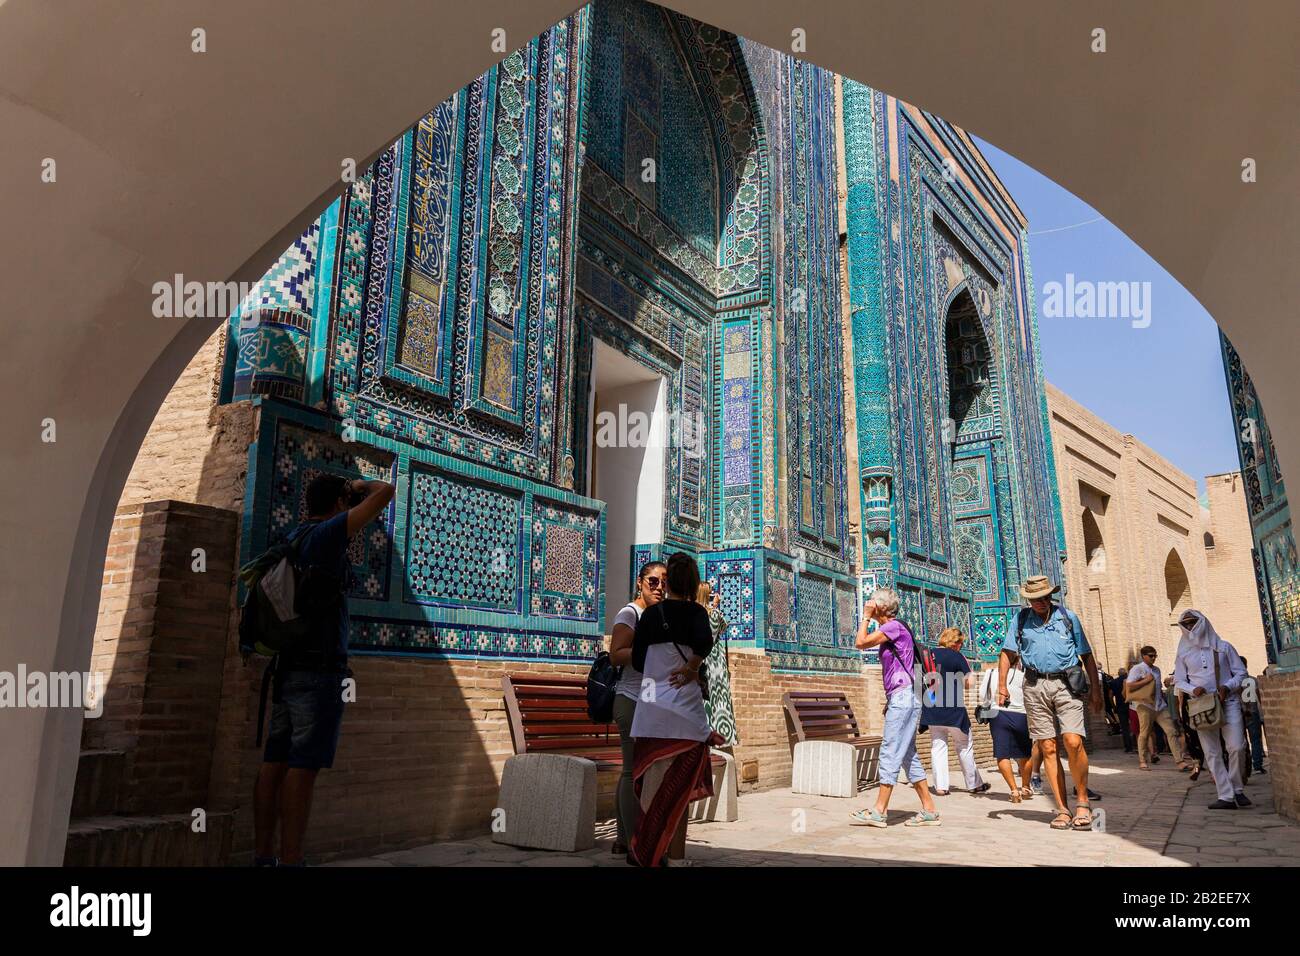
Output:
x=650 y=583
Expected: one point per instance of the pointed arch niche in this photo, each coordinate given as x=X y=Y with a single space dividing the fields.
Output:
x=973 y=433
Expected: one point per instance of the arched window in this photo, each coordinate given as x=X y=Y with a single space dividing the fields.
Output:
x=972 y=395
x=1094 y=548
x=1209 y=541
x=1178 y=590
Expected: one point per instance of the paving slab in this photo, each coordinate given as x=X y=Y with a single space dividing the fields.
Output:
x=1156 y=818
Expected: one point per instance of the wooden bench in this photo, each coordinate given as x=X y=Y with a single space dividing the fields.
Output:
x=548 y=714
x=824 y=716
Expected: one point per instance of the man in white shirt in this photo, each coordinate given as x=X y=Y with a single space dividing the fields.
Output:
x=1207 y=664
x=1152 y=711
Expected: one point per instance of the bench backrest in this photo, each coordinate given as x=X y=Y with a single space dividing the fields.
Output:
x=548 y=712
x=820 y=715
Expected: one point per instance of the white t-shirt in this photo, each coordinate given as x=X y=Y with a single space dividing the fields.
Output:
x=629 y=684
x=1141 y=670
x=1015 y=690
x=664 y=710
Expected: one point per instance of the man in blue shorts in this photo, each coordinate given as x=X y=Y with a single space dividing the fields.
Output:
x=307 y=709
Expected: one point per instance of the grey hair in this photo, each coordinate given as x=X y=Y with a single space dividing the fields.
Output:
x=886 y=600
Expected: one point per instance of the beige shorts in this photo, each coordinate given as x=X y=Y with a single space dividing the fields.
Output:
x=1052 y=710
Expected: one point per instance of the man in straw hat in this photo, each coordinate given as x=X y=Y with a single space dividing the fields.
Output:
x=1051 y=641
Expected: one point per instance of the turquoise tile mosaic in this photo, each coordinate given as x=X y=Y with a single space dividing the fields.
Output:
x=635 y=178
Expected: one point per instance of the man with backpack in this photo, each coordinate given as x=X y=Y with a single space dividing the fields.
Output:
x=1056 y=654
x=309 y=672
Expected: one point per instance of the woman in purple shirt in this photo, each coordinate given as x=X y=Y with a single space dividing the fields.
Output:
x=902 y=712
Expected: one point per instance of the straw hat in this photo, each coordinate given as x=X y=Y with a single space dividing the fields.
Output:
x=1037 y=586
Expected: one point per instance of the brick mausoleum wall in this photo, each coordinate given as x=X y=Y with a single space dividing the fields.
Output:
x=159 y=643
x=764 y=756
x=195 y=450
x=1280 y=705
x=419 y=759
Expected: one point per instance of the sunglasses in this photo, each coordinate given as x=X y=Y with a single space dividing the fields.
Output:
x=653 y=582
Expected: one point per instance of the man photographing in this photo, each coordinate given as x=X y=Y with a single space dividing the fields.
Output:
x=307 y=709
x=1051 y=641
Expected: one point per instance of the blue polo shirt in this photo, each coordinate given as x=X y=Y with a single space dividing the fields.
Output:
x=1048 y=646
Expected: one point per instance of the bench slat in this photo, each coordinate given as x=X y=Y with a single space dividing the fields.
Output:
x=570 y=730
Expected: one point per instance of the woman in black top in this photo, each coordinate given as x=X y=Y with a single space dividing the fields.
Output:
x=671 y=727
x=943 y=710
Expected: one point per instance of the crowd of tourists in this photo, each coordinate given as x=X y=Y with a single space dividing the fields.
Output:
x=1206 y=715
x=672 y=700
x=674 y=704
x=1036 y=702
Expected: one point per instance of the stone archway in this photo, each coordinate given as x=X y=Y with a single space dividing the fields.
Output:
x=143 y=205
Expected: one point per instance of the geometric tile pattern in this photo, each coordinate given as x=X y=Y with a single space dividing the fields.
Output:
x=462 y=542
x=475 y=264
x=300 y=454
x=976 y=569
x=734 y=580
x=1277 y=570
x=846 y=612
x=816 y=624
x=565 y=573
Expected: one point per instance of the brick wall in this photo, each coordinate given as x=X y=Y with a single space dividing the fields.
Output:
x=1280 y=705
x=1230 y=574
x=159 y=642
x=419 y=759
x=764 y=757
x=195 y=450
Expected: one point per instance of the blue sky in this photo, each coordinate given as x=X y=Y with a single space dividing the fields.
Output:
x=1163 y=383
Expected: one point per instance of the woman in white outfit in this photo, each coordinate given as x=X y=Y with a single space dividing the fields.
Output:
x=1009 y=727
x=1207 y=664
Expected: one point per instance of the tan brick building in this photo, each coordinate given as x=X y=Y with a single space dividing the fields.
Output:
x=1141 y=549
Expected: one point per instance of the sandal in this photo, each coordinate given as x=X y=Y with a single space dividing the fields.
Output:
x=1062 y=820
x=1016 y=797
x=941 y=793
x=867 y=818
x=1027 y=792
x=1080 y=823
x=1143 y=766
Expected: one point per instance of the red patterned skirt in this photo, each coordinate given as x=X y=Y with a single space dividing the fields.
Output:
x=686 y=777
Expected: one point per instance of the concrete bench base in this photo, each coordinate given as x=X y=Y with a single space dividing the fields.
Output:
x=547 y=802
x=723 y=806
x=827 y=768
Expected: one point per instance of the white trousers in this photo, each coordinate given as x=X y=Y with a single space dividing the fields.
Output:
x=965 y=744
x=1227 y=779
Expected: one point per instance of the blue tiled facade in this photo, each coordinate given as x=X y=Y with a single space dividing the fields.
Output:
x=1277 y=570
x=635 y=178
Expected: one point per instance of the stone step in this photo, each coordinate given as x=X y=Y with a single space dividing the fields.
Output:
x=167 y=840
x=99 y=783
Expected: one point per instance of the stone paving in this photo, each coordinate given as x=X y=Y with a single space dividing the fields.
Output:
x=1155 y=818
